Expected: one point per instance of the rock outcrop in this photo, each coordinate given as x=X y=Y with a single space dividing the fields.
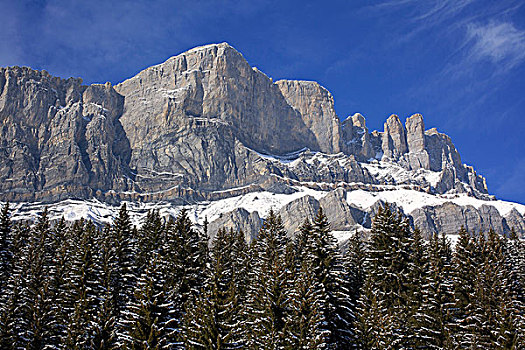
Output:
x=316 y=107
x=356 y=138
x=59 y=139
x=205 y=125
x=417 y=153
x=238 y=220
x=394 y=141
x=200 y=122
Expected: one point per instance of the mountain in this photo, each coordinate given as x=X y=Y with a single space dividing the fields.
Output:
x=204 y=130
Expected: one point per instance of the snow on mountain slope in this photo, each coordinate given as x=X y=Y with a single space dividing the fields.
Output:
x=71 y=210
x=410 y=200
x=387 y=171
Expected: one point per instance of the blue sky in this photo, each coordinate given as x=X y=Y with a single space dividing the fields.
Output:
x=461 y=63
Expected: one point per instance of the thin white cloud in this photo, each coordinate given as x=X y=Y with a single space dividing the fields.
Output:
x=501 y=43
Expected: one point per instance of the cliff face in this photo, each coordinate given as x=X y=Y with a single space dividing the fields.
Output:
x=59 y=139
x=315 y=105
x=205 y=125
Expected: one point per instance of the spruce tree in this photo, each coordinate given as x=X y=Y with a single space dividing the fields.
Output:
x=387 y=292
x=106 y=311
x=58 y=279
x=492 y=312
x=463 y=280
x=306 y=320
x=125 y=250
x=81 y=287
x=10 y=300
x=267 y=304
x=433 y=316
x=214 y=323
x=354 y=260
x=330 y=274
x=145 y=317
x=6 y=248
x=35 y=321
x=241 y=266
x=150 y=238
x=185 y=259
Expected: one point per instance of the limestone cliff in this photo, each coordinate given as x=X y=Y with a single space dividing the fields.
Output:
x=204 y=126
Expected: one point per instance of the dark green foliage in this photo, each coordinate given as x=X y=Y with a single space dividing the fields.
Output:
x=106 y=311
x=214 y=321
x=81 y=284
x=267 y=303
x=125 y=253
x=145 y=318
x=434 y=315
x=388 y=265
x=306 y=320
x=185 y=256
x=34 y=314
x=73 y=286
x=6 y=248
x=334 y=282
x=150 y=238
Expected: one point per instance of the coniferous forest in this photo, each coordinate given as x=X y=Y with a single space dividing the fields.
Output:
x=167 y=285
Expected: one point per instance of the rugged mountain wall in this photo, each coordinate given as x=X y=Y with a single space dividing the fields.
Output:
x=59 y=139
x=205 y=126
x=315 y=105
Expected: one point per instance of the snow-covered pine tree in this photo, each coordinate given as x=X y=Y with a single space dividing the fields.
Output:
x=81 y=286
x=150 y=238
x=302 y=244
x=416 y=283
x=463 y=279
x=332 y=278
x=306 y=322
x=6 y=247
x=515 y=256
x=125 y=250
x=106 y=312
x=355 y=257
x=58 y=281
x=185 y=257
x=307 y=299
x=354 y=260
x=515 y=259
x=20 y=233
x=34 y=317
x=374 y=325
x=214 y=323
x=6 y=259
x=388 y=262
x=10 y=304
x=125 y=275
x=145 y=317
x=9 y=285
x=433 y=316
x=267 y=303
x=240 y=270
x=493 y=311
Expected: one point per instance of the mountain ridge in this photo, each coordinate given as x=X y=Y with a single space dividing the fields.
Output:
x=202 y=126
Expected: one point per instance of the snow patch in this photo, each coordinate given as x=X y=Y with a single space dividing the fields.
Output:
x=410 y=200
x=385 y=171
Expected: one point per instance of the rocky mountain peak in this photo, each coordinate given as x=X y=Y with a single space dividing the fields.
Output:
x=201 y=121
x=394 y=138
x=205 y=129
x=358 y=120
x=315 y=104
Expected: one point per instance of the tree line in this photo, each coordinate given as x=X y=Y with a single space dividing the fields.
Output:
x=167 y=285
